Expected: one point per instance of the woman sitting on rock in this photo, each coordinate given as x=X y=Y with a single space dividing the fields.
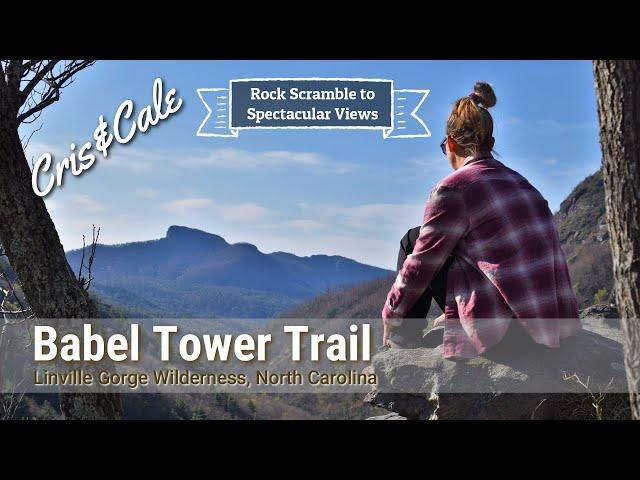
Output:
x=488 y=252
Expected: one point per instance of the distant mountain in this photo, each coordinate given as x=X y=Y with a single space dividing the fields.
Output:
x=194 y=273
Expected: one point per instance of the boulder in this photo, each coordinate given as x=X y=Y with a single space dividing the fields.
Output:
x=507 y=382
x=603 y=314
x=388 y=416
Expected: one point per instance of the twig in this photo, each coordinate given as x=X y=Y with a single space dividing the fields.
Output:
x=25 y=145
x=86 y=281
x=9 y=409
x=596 y=399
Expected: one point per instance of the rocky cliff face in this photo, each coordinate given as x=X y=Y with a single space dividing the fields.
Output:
x=584 y=236
x=509 y=383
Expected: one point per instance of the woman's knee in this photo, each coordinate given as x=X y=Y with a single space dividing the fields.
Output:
x=408 y=241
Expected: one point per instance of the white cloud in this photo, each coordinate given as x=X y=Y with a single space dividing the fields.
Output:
x=147 y=193
x=544 y=126
x=512 y=121
x=137 y=160
x=51 y=204
x=186 y=205
x=126 y=157
x=553 y=125
x=307 y=226
x=579 y=172
x=234 y=158
x=86 y=203
x=237 y=212
x=131 y=158
x=367 y=217
x=438 y=163
x=243 y=212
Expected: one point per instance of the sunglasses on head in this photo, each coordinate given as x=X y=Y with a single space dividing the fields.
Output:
x=443 y=146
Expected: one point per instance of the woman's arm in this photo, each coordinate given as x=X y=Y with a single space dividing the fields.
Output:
x=445 y=223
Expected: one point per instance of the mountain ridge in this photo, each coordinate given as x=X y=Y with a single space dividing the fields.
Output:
x=584 y=236
x=208 y=276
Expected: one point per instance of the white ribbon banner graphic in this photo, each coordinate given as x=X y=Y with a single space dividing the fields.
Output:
x=312 y=103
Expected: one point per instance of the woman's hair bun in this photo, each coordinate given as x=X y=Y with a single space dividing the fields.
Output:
x=484 y=94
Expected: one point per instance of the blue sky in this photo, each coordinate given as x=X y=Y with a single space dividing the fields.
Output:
x=348 y=193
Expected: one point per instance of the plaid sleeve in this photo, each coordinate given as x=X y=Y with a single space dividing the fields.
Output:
x=445 y=223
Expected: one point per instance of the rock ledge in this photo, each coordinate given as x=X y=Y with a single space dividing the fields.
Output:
x=506 y=384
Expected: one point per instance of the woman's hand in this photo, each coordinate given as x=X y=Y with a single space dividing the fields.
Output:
x=439 y=322
x=386 y=317
x=389 y=320
x=385 y=335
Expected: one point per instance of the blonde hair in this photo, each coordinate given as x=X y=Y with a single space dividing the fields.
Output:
x=470 y=124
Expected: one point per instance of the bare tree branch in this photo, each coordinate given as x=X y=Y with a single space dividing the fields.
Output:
x=10 y=403
x=86 y=281
x=29 y=64
x=38 y=77
x=51 y=97
x=26 y=144
x=30 y=86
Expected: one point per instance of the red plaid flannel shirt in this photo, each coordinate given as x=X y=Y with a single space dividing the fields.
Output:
x=507 y=261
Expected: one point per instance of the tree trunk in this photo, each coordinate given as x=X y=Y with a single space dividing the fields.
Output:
x=618 y=96
x=37 y=257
